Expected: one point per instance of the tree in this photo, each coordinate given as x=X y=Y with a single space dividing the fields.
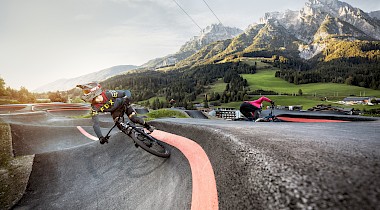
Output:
x=57 y=97
x=300 y=92
x=349 y=80
x=205 y=104
x=3 y=91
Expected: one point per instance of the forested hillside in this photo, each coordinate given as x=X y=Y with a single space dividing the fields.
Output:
x=183 y=85
x=353 y=63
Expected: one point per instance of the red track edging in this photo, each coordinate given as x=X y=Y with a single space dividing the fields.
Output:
x=204 y=195
x=295 y=119
x=204 y=192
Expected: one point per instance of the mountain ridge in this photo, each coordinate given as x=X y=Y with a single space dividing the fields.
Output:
x=70 y=83
x=214 y=32
x=305 y=33
x=210 y=34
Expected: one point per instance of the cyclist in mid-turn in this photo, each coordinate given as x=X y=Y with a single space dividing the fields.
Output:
x=249 y=107
x=109 y=101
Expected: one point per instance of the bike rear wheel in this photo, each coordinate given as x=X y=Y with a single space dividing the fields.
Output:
x=150 y=144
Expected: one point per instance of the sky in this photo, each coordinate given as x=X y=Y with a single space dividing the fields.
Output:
x=42 y=41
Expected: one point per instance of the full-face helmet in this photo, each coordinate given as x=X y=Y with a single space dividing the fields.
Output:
x=90 y=90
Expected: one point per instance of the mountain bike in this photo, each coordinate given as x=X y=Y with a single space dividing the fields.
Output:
x=271 y=117
x=140 y=137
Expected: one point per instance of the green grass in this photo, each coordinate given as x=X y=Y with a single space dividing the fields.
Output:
x=8 y=101
x=164 y=113
x=282 y=101
x=313 y=93
x=151 y=100
x=259 y=64
x=218 y=87
x=264 y=79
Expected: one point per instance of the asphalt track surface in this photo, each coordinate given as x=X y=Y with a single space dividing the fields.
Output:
x=281 y=165
x=256 y=165
x=196 y=114
x=72 y=172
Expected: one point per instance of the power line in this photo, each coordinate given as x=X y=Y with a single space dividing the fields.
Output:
x=212 y=11
x=215 y=16
x=188 y=15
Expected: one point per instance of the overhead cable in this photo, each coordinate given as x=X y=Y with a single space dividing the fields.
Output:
x=188 y=15
x=215 y=15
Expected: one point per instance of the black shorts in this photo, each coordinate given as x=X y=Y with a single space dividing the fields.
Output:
x=249 y=111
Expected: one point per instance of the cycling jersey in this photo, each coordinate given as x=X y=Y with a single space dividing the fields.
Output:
x=258 y=103
x=111 y=101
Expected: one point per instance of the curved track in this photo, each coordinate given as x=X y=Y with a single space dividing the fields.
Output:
x=196 y=114
x=112 y=176
x=71 y=171
x=289 y=165
x=256 y=165
x=29 y=139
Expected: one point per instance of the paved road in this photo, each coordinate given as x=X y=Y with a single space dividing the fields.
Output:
x=115 y=176
x=289 y=165
x=256 y=165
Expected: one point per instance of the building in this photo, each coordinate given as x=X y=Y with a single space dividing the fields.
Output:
x=356 y=100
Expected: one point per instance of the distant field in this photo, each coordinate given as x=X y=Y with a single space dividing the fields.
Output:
x=313 y=94
x=264 y=79
x=285 y=101
x=259 y=64
x=218 y=87
x=151 y=100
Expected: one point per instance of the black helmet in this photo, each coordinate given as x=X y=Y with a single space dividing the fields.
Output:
x=90 y=90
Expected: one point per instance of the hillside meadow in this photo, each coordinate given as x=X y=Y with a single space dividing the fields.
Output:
x=265 y=80
x=312 y=94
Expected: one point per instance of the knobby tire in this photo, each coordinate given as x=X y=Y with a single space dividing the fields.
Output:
x=157 y=148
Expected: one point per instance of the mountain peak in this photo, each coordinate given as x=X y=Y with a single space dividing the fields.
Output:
x=212 y=33
x=322 y=3
x=213 y=28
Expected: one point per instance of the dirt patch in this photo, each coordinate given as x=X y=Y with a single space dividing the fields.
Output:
x=14 y=171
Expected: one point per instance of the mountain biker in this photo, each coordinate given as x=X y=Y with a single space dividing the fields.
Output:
x=109 y=101
x=249 y=107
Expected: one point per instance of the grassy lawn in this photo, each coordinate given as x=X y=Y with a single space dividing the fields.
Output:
x=313 y=94
x=264 y=79
x=283 y=101
x=151 y=100
x=163 y=113
x=259 y=64
x=218 y=87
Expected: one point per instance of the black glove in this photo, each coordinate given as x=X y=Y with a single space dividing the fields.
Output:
x=149 y=127
x=103 y=140
x=272 y=103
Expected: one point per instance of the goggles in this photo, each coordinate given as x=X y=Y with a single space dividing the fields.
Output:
x=87 y=91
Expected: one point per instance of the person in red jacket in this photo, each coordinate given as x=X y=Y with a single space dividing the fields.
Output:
x=112 y=101
x=251 y=109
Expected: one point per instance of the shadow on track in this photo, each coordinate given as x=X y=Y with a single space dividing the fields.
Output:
x=70 y=171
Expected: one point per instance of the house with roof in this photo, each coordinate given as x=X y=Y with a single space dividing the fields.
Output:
x=356 y=100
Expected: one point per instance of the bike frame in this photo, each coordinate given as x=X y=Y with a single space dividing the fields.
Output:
x=141 y=138
x=271 y=116
x=128 y=126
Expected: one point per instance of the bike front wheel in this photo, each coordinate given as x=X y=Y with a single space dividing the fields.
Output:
x=150 y=144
